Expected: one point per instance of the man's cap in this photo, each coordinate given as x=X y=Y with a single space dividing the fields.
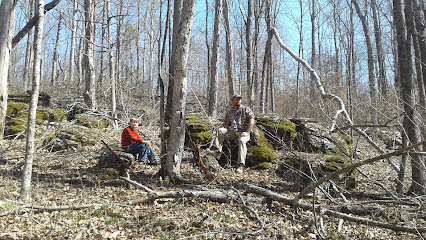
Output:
x=235 y=96
x=134 y=120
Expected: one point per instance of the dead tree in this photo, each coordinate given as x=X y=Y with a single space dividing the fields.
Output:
x=30 y=146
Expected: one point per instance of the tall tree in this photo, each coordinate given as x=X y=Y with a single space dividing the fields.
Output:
x=313 y=51
x=266 y=59
x=111 y=65
x=370 y=60
x=229 y=49
x=7 y=17
x=26 y=76
x=215 y=60
x=29 y=149
x=89 y=64
x=382 y=82
x=171 y=168
x=418 y=171
x=249 y=52
x=55 y=51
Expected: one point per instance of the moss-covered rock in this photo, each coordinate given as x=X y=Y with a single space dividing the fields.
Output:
x=197 y=130
x=281 y=130
x=314 y=137
x=58 y=114
x=91 y=121
x=263 y=165
x=322 y=165
x=71 y=137
x=14 y=108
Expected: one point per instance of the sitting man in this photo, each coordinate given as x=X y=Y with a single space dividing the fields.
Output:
x=132 y=143
x=238 y=123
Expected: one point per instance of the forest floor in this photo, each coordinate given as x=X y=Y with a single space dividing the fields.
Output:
x=70 y=201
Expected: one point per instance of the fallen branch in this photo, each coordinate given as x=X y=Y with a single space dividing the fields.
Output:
x=325 y=95
x=334 y=174
x=31 y=23
x=326 y=211
x=149 y=190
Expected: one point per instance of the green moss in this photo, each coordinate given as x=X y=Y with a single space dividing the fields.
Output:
x=85 y=138
x=195 y=123
x=283 y=129
x=92 y=122
x=201 y=138
x=262 y=153
x=58 y=114
x=263 y=165
x=14 y=108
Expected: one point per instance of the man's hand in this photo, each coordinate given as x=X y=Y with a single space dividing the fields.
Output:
x=148 y=143
x=243 y=134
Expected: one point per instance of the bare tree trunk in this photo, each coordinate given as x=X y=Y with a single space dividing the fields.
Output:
x=7 y=18
x=313 y=52
x=258 y=5
x=382 y=83
x=55 y=52
x=111 y=66
x=249 y=52
x=215 y=60
x=162 y=90
x=229 y=49
x=73 y=40
x=418 y=170
x=89 y=66
x=206 y=36
x=29 y=149
x=177 y=10
x=370 y=59
x=26 y=76
x=266 y=59
x=299 y=65
x=175 y=149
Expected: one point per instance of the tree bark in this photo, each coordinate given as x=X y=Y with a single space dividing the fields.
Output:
x=370 y=60
x=215 y=61
x=382 y=83
x=30 y=146
x=54 y=75
x=175 y=149
x=73 y=41
x=7 y=18
x=266 y=59
x=249 y=52
x=28 y=52
x=418 y=172
x=229 y=49
x=313 y=52
x=111 y=66
x=89 y=66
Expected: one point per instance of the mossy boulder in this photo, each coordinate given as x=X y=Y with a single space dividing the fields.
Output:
x=71 y=137
x=263 y=165
x=91 y=121
x=197 y=130
x=58 y=114
x=314 y=137
x=281 y=131
x=318 y=166
x=14 y=108
x=18 y=123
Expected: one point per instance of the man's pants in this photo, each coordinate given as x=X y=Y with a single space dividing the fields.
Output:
x=142 y=150
x=223 y=133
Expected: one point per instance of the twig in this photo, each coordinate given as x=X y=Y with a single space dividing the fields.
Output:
x=138 y=184
x=334 y=174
